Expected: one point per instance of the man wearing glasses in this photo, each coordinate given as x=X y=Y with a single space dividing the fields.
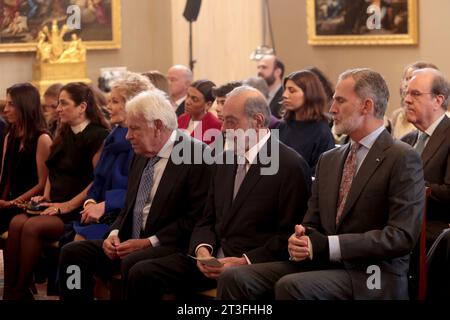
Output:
x=426 y=102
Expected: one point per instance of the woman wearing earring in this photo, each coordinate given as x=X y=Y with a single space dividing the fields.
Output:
x=26 y=148
x=197 y=120
x=305 y=125
x=71 y=164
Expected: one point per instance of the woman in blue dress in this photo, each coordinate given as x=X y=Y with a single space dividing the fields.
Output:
x=106 y=197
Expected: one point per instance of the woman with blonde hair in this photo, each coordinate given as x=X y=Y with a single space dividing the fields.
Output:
x=106 y=197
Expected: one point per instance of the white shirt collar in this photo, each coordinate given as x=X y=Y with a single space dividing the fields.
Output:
x=434 y=125
x=80 y=127
x=166 y=150
x=370 y=139
x=251 y=153
x=179 y=101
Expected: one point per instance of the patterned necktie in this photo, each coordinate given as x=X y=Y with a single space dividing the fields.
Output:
x=420 y=145
x=240 y=175
x=143 y=196
x=347 y=177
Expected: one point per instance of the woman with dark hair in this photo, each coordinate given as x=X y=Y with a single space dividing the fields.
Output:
x=71 y=164
x=197 y=120
x=25 y=150
x=305 y=124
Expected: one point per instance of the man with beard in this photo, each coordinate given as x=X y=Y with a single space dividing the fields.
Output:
x=249 y=211
x=363 y=217
x=271 y=69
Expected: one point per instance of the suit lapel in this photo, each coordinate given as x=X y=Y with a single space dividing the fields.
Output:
x=373 y=159
x=438 y=137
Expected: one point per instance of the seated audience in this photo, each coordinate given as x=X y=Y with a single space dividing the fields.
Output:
x=197 y=120
x=261 y=85
x=180 y=78
x=25 y=150
x=220 y=94
x=271 y=69
x=158 y=80
x=305 y=125
x=163 y=200
x=250 y=209
x=400 y=124
x=106 y=197
x=71 y=164
x=365 y=211
x=426 y=100
x=50 y=104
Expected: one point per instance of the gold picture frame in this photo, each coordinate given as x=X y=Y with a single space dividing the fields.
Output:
x=100 y=23
x=361 y=22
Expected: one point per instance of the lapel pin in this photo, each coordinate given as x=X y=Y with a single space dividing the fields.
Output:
x=378 y=160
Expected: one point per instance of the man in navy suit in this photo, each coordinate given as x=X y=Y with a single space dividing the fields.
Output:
x=164 y=199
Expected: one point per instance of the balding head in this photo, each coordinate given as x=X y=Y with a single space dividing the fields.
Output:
x=180 y=78
x=246 y=108
x=426 y=97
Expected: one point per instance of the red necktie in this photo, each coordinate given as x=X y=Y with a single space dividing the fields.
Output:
x=347 y=177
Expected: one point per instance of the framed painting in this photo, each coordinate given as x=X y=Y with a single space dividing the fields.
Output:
x=362 y=22
x=96 y=22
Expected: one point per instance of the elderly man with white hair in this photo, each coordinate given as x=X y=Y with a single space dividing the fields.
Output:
x=165 y=197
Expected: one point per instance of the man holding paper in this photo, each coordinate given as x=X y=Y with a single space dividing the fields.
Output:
x=257 y=194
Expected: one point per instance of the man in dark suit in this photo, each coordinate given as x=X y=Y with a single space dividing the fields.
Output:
x=426 y=102
x=271 y=69
x=250 y=209
x=363 y=216
x=165 y=197
x=179 y=78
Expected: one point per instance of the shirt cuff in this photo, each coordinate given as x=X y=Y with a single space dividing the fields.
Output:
x=154 y=241
x=114 y=232
x=204 y=245
x=247 y=259
x=335 y=248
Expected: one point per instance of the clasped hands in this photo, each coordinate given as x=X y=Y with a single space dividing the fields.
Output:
x=53 y=208
x=115 y=249
x=299 y=245
x=214 y=272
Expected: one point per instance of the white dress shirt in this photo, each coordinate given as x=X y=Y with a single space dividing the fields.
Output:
x=159 y=168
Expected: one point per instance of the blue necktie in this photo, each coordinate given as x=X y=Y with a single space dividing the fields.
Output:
x=143 y=196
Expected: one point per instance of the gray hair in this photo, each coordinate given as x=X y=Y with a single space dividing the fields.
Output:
x=258 y=83
x=439 y=85
x=369 y=84
x=186 y=71
x=254 y=104
x=130 y=84
x=153 y=105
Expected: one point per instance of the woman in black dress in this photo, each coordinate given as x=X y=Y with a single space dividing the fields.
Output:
x=25 y=150
x=305 y=125
x=74 y=154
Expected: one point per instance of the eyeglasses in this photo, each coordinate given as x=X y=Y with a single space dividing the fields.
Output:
x=415 y=94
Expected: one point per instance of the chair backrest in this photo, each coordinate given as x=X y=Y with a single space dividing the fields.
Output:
x=422 y=276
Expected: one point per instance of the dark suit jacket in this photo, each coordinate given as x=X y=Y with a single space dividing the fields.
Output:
x=179 y=200
x=180 y=109
x=275 y=106
x=436 y=169
x=381 y=219
x=262 y=216
x=209 y=121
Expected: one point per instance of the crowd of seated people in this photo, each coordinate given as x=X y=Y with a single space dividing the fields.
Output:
x=124 y=183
